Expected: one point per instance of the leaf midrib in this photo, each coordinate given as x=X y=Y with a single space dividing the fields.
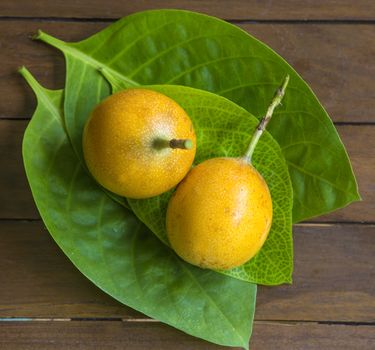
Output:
x=212 y=302
x=317 y=177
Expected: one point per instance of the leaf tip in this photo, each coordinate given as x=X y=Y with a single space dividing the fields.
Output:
x=33 y=83
x=37 y=35
x=22 y=70
x=246 y=345
x=358 y=197
x=26 y=74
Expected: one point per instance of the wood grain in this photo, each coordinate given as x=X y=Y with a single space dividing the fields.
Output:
x=336 y=60
x=334 y=279
x=94 y=335
x=311 y=336
x=332 y=45
x=16 y=200
x=236 y=9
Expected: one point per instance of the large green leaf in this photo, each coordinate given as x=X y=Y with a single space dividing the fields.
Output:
x=225 y=129
x=114 y=250
x=185 y=48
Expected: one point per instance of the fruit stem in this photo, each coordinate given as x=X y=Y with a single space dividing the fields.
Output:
x=181 y=143
x=279 y=94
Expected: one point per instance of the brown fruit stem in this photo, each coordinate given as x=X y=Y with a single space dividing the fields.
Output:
x=181 y=143
x=279 y=94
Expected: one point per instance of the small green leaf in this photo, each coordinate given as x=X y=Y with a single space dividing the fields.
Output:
x=186 y=48
x=225 y=129
x=114 y=250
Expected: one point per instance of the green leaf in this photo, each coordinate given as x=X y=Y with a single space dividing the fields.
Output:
x=114 y=250
x=225 y=129
x=185 y=48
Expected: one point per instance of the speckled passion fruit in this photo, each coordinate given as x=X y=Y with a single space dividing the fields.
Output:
x=139 y=143
x=221 y=213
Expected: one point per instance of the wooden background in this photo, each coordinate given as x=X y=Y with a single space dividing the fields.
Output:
x=45 y=303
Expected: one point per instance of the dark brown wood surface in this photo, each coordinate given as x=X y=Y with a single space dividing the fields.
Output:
x=46 y=303
x=140 y=335
x=233 y=9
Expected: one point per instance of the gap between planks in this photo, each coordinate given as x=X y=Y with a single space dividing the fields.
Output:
x=301 y=224
x=230 y=20
x=363 y=123
x=150 y=320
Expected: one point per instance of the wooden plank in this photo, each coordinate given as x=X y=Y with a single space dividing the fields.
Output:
x=95 y=335
x=16 y=200
x=92 y=335
x=334 y=279
x=236 y=9
x=336 y=60
x=311 y=336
